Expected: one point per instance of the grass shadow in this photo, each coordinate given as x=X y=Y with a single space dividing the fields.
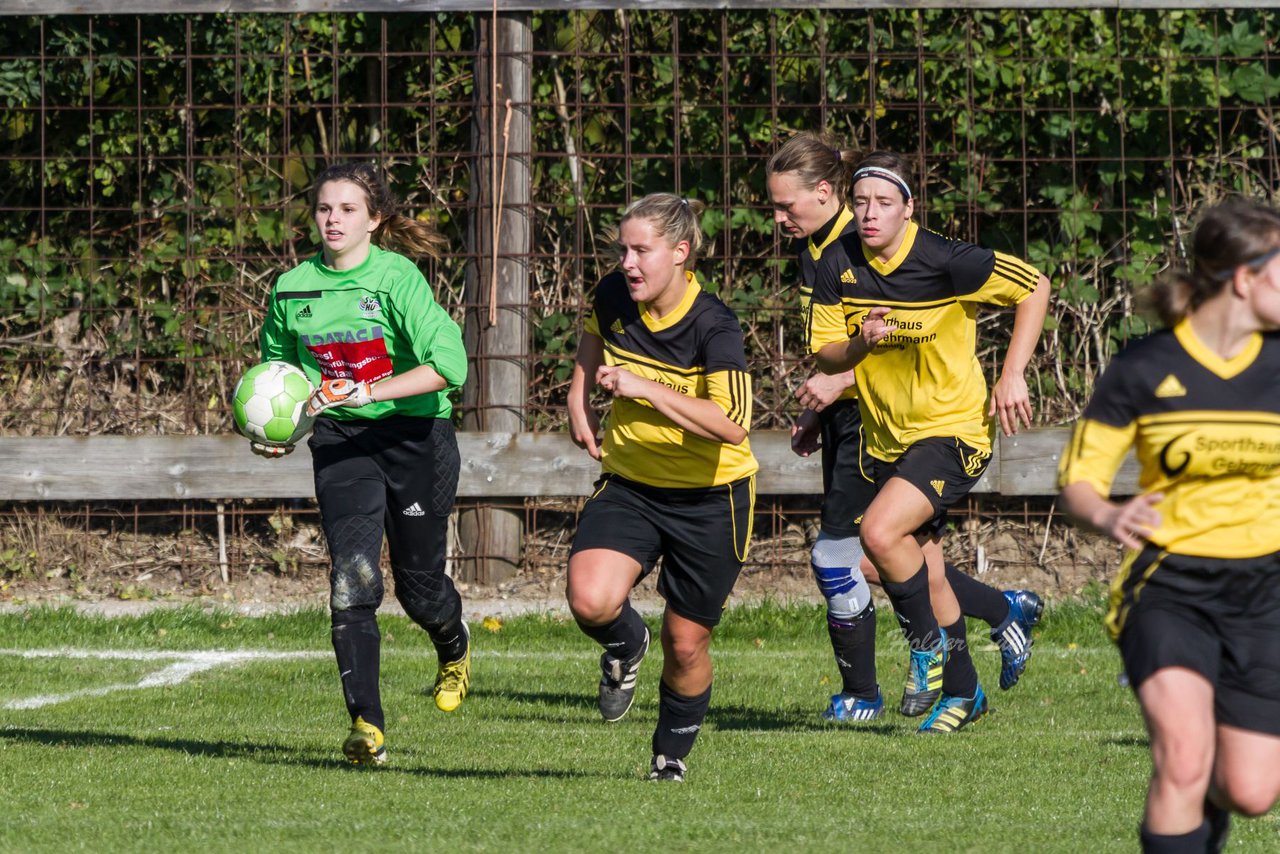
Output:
x=267 y=753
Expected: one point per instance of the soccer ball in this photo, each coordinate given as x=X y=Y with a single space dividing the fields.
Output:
x=270 y=404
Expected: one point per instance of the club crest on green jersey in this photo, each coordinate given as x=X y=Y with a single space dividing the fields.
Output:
x=369 y=306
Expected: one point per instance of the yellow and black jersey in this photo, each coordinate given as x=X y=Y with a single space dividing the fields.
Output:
x=923 y=380
x=823 y=258
x=695 y=349
x=1206 y=432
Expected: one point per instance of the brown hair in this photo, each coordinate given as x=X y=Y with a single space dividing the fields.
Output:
x=1233 y=234
x=813 y=158
x=890 y=161
x=673 y=217
x=396 y=231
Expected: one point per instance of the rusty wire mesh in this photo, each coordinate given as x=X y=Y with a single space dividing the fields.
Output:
x=156 y=167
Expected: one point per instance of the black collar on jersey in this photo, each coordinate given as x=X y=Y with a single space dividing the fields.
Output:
x=825 y=236
x=820 y=236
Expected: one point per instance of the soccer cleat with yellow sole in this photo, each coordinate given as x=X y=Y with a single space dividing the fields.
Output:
x=951 y=712
x=453 y=679
x=924 y=677
x=364 y=744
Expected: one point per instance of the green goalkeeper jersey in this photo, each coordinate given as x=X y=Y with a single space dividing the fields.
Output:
x=367 y=323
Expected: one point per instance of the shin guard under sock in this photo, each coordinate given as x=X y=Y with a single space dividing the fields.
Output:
x=623 y=638
x=959 y=678
x=357 y=644
x=913 y=608
x=679 y=719
x=854 y=645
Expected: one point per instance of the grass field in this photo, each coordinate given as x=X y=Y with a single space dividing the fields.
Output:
x=215 y=753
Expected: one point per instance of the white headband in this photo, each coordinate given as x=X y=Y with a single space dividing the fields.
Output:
x=879 y=172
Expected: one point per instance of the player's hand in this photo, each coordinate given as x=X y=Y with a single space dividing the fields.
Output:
x=1131 y=524
x=1011 y=402
x=875 y=328
x=620 y=382
x=820 y=391
x=586 y=436
x=339 y=392
x=271 y=452
x=806 y=434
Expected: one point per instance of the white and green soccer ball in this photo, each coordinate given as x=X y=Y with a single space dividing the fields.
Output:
x=270 y=404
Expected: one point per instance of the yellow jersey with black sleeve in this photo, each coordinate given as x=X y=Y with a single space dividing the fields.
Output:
x=1206 y=432
x=923 y=380
x=823 y=258
x=695 y=349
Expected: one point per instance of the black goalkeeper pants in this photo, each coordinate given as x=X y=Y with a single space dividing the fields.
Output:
x=398 y=476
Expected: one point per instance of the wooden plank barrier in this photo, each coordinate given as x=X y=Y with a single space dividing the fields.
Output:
x=494 y=465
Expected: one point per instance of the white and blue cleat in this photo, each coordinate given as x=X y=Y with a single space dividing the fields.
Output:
x=848 y=708
x=1013 y=636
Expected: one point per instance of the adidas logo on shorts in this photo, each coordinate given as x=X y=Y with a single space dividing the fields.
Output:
x=414 y=510
x=938 y=486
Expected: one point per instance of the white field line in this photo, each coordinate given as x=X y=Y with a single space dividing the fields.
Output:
x=186 y=664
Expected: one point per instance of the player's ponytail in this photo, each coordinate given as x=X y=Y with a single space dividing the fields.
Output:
x=1236 y=233
x=813 y=158
x=673 y=217
x=396 y=232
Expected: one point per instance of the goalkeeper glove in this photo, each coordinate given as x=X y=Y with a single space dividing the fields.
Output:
x=339 y=392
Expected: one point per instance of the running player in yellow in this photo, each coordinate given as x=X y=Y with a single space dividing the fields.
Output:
x=905 y=319
x=808 y=182
x=1195 y=608
x=678 y=477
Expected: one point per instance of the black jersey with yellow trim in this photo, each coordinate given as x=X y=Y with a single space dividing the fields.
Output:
x=1206 y=433
x=695 y=349
x=824 y=257
x=923 y=380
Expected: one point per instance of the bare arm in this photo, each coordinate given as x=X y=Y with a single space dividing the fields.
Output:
x=423 y=379
x=1130 y=524
x=699 y=416
x=584 y=424
x=840 y=356
x=1010 y=398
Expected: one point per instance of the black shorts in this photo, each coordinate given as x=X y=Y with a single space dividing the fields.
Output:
x=701 y=534
x=1220 y=618
x=944 y=468
x=847 y=483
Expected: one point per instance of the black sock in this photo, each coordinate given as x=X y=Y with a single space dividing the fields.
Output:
x=1219 y=823
x=356 y=642
x=977 y=600
x=913 y=609
x=623 y=638
x=451 y=641
x=959 y=679
x=679 y=719
x=854 y=644
x=1182 y=843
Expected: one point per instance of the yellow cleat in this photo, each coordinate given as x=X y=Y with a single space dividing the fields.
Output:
x=453 y=679
x=364 y=744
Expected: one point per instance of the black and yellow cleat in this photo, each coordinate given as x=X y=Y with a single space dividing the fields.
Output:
x=951 y=713
x=453 y=679
x=364 y=744
x=924 y=677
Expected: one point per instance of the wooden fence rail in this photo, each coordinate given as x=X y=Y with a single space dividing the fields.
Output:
x=494 y=465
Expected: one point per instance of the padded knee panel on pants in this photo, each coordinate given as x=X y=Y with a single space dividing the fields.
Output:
x=428 y=598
